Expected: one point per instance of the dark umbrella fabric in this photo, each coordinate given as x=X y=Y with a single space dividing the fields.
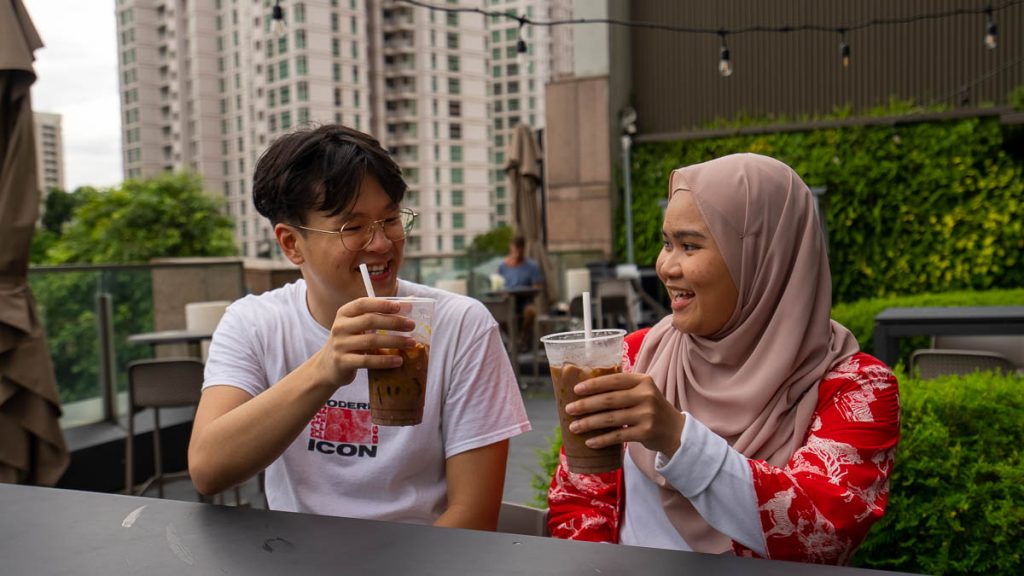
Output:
x=32 y=448
x=522 y=169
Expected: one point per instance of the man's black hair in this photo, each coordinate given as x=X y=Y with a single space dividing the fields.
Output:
x=321 y=169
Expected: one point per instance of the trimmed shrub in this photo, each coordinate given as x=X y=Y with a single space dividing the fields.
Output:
x=956 y=501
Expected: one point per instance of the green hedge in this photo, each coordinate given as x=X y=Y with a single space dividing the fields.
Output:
x=956 y=502
x=911 y=208
x=859 y=316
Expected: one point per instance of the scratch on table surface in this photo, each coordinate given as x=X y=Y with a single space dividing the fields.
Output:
x=179 y=548
x=132 y=517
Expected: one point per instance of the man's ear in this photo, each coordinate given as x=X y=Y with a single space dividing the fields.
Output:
x=292 y=243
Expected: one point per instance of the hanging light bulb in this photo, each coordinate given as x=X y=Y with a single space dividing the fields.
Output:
x=724 y=59
x=278 y=18
x=991 y=31
x=521 y=49
x=844 y=50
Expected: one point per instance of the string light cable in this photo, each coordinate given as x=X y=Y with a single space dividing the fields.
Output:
x=725 y=60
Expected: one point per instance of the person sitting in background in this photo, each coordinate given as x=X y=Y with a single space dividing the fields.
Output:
x=753 y=422
x=518 y=271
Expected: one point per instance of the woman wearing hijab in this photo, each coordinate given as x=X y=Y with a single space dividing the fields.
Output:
x=753 y=423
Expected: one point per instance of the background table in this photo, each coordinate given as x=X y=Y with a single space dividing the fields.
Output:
x=893 y=323
x=191 y=337
x=50 y=531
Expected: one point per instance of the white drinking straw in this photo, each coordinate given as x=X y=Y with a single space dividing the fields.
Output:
x=588 y=332
x=366 y=281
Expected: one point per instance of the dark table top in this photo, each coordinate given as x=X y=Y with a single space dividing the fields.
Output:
x=50 y=531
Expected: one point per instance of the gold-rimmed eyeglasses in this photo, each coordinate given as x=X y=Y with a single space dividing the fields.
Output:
x=356 y=236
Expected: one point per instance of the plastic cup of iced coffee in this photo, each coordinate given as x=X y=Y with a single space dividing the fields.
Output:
x=573 y=358
x=397 y=394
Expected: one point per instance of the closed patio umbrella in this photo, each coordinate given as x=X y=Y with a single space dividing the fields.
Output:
x=522 y=168
x=32 y=448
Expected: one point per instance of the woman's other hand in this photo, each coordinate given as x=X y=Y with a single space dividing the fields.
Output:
x=632 y=407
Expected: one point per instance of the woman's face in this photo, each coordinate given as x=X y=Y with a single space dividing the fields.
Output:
x=690 y=265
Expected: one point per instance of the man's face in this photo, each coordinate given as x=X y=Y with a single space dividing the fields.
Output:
x=331 y=270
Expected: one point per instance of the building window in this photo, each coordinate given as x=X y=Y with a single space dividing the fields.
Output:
x=335 y=47
x=455 y=153
x=453 y=40
x=453 y=19
x=456 y=175
x=454 y=86
x=302 y=91
x=455 y=131
x=334 y=22
x=282 y=44
x=286 y=120
x=303 y=115
x=299 y=13
x=458 y=242
x=458 y=220
x=282 y=69
x=301 y=68
x=337 y=72
x=455 y=109
x=457 y=198
x=286 y=95
x=300 y=38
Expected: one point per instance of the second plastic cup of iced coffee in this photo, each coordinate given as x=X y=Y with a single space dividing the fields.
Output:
x=397 y=394
x=573 y=358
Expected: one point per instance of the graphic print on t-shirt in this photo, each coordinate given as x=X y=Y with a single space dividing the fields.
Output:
x=344 y=429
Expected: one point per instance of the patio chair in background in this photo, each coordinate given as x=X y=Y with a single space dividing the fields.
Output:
x=617 y=304
x=156 y=384
x=521 y=519
x=934 y=362
x=1011 y=346
x=503 y=308
x=552 y=324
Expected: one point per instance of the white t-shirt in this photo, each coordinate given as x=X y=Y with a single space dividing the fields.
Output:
x=342 y=464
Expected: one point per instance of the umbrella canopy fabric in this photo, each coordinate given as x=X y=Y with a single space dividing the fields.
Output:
x=522 y=168
x=32 y=447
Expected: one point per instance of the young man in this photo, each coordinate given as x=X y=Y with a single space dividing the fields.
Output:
x=286 y=382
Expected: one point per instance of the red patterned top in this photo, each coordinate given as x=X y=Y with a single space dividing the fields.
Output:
x=817 y=508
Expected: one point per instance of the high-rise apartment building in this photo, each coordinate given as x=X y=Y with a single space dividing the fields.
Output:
x=49 y=152
x=206 y=86
x=518 y=79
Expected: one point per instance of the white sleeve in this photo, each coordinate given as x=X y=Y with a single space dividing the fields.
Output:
x=483 y=404
x=718 y=481
x=233 y=357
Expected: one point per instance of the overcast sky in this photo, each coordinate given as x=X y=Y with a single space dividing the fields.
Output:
x=77 y=78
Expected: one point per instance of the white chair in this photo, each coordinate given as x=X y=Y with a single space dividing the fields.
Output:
x=521 y=519
x=204 y=317
x=456 y=286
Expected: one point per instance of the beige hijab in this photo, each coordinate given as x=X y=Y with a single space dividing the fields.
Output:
x=755 y=382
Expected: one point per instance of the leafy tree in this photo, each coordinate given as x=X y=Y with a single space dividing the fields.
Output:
x=491 y=243
x=169 y=216
x=164 y=217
